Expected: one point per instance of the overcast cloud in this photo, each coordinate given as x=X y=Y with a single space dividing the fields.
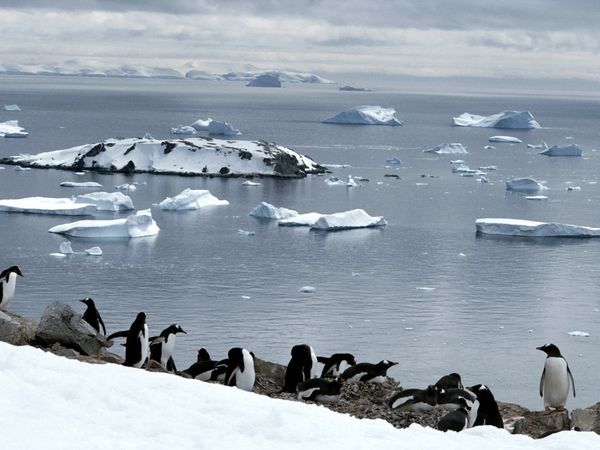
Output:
x=511 y=38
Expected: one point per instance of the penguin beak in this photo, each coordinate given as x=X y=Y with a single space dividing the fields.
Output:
x=540 y=348
x=182 y=330
x=82 y=301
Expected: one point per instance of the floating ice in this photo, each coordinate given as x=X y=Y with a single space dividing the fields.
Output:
x=356 y=218
x=457 y=161
x=126 y=187
x=462 y=168
x=353 y=89
x=301 y=220
x=139 y=224
x=536 y=197
x=529 y=228
x=265 y=80
x=489 y=147
x=47 y=205
x=524 y=185
x=365 y=115
x=454 y=148
x=307 y=289
x=506 y=119
x=539 y=146
x=246 y=233
x=94 y=251
x=184 y=129
x=579 y=333
x=80 y=173
x=426 y=288
x=65 y=248
x=394 y=160
x=222 y=128
x=82 y=184
x=201 y=125
x=573 y=188
x=336 y=166
x=58 y=255
x=191 y=199
x=250 y=183
x=267 y=211
x=12 y=108
x=569 y=150
x=107 y=201
x=11 y=129
x=488 y=168
x=506 y=139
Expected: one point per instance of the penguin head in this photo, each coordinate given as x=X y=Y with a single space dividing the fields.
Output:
x=350 y=359
x=88 y=302
x=13 y=269
x=464 y=403
x=386 y=363
x=203 y=355
x=141 y=317
x=478 y=388
x=550 y=349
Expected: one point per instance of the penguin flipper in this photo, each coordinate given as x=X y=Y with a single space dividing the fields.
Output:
x=572 y=380
x=102 y=324
x=322 y=359
x=542 y=382
x=118 y=334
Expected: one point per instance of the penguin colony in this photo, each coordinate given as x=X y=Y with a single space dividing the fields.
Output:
x=467 y=407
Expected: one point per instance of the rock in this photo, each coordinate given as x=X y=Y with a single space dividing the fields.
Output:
x=60 y=323
x=269 y=378
x=587 y=419
x=154 y=366
x=540 y=423
x=16 y=330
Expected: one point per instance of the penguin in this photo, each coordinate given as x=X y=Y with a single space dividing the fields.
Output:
x=92 y=316
x=456 y=420
x=372 y=373
x=450 y=398
x=240 y=369
x=554 y=383
x=205 y=369
x=321 y=390
x=162 y=346
x=487 y=408
x=336 y=364
x=137 y=348
x=301 y=367
x=414 y=400
x=450 y=381
x=8 y=283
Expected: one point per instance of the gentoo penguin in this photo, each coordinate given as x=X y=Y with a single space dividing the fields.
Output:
x=240 y=369
x=414 y=400
x=456 y=420
x=8 y=283
x=137 y=349
x=162 y=346
x=320 y=390
x=92 y=316
x=450 y=381
x=205 y=369
x=336 y=364
x=554 y=383
x=487 y=408
x=301 y=367
x=450 y=398
x=372 y=373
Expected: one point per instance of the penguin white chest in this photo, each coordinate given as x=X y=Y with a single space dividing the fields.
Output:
x=313 y=369
x=167 y=349
x=8 y=290
x=145 y=346
x=556 y=382
x=245 y=380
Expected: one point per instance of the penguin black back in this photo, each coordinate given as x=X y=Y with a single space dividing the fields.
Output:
x=450 y=381
x=299 y=368
x=487 y=412
x=334 y=365
x=8 y=282
x=368 y=372
x=92 y=316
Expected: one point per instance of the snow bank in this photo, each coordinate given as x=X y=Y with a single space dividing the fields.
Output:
x=517 y=227
x=200 y=415
x=449 y=149
x=107 y=201
x=506 y=119
x=506 y=139
x=11 y=129
x=267 y=211
x=357 y=218
x=222 y=128
x=81 y=184
x=265 y=80
x=191 y=199
x=12 y=108
x=184 y=129
x=365 y=115
x=47 y=205
x=192 y=156
x=139 y=224
x=524 y=185
x=569 y=150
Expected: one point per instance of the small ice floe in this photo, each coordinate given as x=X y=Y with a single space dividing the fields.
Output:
x=11 y=129
x=267 y=211
x=573 y=188
x=457 y=161
x=250 y=183
x=529 y=228
x=568 y=150
x=335 y=181
x=12 y=108
x=22 y=169
x=409 y=328
x=126 y=187
x=461 y=254
x=65 y=248
x=505 y=139
x=539 y=146
x=482 y=180
x=393 y=160
x=106 y=201
x=139 y=224
x=356 y=218
x=184 y=129
x=524 y=185
x=568 y=138
x=94 y=251
x=80 y=173
x=246 y=297
x=58 y=255
x=379 y=183
x=530 y=331
x=336 y=166
x=453 y=148
x=426 y=288
x=2 y=167
x=365 y=115
x=578 y=333
x=246 y=233
x=191 y=199
x=488 y=168
x=462 y=168
x=505 y=119
x=82 y=184
x=489 y=147
x=307 y=289
x=355 y=274
x=536 y=197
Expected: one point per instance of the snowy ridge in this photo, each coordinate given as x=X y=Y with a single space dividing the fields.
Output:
x=194 y=156
x=517 y=227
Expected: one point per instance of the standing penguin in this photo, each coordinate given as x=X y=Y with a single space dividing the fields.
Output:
x=336 y=364
x=137 y=344
x=554 y=383
x=92 y=316
x=240 y=369
x=161 y=347
x=487 y=408
x=301 y=367
x=456 y=420
x=8 y=283
x=367 y=372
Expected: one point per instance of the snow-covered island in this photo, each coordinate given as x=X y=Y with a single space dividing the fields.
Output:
x=529 y=228
x=195 y=156
x=506 y=119
x=365 y=115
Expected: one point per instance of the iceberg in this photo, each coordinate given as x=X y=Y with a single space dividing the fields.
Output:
x=126 y=187
x=11 y=129
x=353 y=89
x=505 y=119
x=250 y=183
x=265 y=80
x=94 y=251
x=540 y=146
x=335 y=181
x=222 y=128
x=506 y=139
x=529 y=228
x=184 y=129
x=524 y=185
x=301 y=220
x=393 y=160
x=357 y=218
x=191 y=199
x=47 y=205
x=65 y=248
x=139 y=224
x=82 y=184
x=448 y=149
x=107 y=201
x=12 y=108
x=307 y=289
x=579 y=333
x=365 y=115
x=201 y=125
x=569 y=150
x=267 y=211
x=193 y=156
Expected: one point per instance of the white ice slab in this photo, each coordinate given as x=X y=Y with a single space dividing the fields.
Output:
x=453 y=148
x=524 y=185
x=82 y=184
x=11 y=128
x=191 y=199
x=107 y=201
x=505 y=119
x=518 y=227
x=47 y=205
x=568 y=150
x=365 y=115
x=267 y=211
x=506 y=139
x=139 y=224
x=356 y=218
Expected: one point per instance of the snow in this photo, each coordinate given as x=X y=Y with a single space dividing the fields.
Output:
x=524 y=185
x=94 y=251
x=11 y=128
x=184 y=129
x=222 y=128
x=505 y=119
x=107 y=201
x=12 y=108
x=191 y=199
x=518 y=227
x=201 y=125
x=200 y=415
x=357 y=218
x=267 y=211
x=301 y=220
x=265 y=80
x=506 y=139
x=569 y=150
x=365 y=115
x=47 y=205
x=451 y=149
x=579 y=333
x=139 y=224
x=539 y=146
x=250 y=183
x=82 y=184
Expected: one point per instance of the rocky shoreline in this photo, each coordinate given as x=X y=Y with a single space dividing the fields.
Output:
x=61 y=331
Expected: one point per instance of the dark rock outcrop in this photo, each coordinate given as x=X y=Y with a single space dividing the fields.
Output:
x=587 y=419
x=15 y=329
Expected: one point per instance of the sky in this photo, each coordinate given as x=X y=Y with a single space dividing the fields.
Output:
x=507 y=39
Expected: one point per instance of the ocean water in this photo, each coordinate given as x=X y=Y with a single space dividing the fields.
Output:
x=426 y=291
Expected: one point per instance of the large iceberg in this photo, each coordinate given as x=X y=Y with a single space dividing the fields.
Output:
x=301 y=220
x=201 y=125
x=222 y=128
x=506 y=139
x=140 y=224
x=529 y=228
x=448 y=149
x=506 y=119
x=193 y=156
x=107 y=201
x=569 y=150
x=265 y=80
x=191 y=199
x=81 y=184
x=11 y=129
x=365 y=115
x=357 y=218
x=524 y=185
x=48 y=205
x=267 y=211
